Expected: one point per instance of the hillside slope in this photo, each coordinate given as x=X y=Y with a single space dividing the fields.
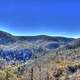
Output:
x=39 y=57
x=28 y=47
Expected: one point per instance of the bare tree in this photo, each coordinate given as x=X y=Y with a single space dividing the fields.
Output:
x=31 y=73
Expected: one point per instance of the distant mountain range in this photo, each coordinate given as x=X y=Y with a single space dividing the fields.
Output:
x=40 y=57
x=7 y=38
x=30 y=47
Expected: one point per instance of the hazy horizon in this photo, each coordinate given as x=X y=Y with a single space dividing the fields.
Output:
x=38 y=35
x=41 y=17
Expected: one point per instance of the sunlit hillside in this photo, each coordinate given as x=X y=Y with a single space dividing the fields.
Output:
x=39 y=57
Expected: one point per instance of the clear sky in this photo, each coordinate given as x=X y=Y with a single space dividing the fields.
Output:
x=33 y=17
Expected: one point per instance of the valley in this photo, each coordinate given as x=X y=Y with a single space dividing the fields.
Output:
x=39 y=57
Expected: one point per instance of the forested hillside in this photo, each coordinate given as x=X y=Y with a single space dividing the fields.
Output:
x=39 y=57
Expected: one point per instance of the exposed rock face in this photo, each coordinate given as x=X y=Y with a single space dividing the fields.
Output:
x=23 y=54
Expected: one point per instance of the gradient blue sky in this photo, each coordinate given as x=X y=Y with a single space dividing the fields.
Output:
x=33 y=17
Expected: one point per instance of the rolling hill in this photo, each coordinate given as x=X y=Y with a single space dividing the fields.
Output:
x=29 y=47
x=40 y=57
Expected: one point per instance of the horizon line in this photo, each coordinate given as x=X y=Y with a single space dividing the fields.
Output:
x=39 y=35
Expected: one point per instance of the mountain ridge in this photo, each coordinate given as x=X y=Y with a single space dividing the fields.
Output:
x=37 y=37
x=36 y=46
x=39 y=57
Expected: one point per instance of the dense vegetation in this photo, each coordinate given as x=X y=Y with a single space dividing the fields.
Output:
x=39 y=57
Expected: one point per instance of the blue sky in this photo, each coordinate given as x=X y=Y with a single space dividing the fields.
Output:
x=47 y=17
